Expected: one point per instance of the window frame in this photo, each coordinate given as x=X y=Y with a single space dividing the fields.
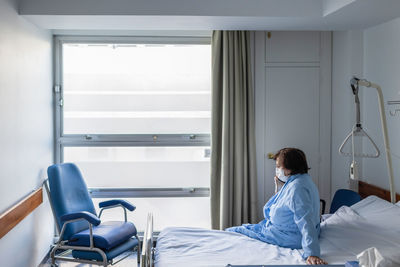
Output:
x=122 y=140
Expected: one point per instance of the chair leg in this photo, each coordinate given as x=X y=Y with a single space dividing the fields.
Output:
x=138 y=249
x=52 y=256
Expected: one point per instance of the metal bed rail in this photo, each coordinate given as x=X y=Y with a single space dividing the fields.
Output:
x=146 y=257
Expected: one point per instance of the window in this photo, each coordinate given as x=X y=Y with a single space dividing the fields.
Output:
x=135 y=115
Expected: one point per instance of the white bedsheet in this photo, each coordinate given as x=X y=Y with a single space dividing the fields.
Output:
x=371 y=222
x=202 y=247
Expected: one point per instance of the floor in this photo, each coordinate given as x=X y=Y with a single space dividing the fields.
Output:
x=130 y=261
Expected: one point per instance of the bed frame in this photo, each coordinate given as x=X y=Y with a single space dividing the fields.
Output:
x=147 y=254
x=365 y=190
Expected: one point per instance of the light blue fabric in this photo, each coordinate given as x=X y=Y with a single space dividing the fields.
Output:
x=291 y=217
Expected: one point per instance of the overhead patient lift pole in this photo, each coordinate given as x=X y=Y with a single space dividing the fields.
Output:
x=357 y=130
x=365 y=83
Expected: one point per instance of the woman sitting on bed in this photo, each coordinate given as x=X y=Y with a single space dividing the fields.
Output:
x=292 y=214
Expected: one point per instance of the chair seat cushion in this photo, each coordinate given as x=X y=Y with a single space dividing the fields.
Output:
x=106 y=236
x=110 y=254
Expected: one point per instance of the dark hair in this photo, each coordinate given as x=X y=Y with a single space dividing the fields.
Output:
x=293 y=159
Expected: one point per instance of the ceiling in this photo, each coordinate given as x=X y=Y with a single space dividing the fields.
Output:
x=208 y=14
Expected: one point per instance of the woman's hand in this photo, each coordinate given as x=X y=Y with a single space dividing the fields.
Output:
x=314 y=260
x=278 y=184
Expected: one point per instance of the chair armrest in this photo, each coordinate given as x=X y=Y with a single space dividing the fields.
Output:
x=116 y=202
x=81 y=215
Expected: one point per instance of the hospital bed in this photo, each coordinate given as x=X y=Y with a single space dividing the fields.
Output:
x=372 y=222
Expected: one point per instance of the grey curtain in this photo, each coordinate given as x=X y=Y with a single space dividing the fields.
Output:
x=233 y=156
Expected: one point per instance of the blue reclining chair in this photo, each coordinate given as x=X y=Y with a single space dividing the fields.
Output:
x=90 y=240
x=344 y=197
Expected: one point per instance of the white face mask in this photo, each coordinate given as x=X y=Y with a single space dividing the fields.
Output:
x=281 y=175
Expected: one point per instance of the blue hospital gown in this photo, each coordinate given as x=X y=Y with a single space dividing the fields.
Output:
x=291 y=217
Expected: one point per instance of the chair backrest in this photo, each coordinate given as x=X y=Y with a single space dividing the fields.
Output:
x=344 y=197
x=69 y=194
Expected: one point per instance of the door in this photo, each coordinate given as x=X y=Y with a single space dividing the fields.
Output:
x=292 y=116
x=294 y=86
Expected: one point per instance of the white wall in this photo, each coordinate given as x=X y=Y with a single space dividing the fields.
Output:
x=347 y=60
x=382 y=66
x=373 y=54
x=25 y=132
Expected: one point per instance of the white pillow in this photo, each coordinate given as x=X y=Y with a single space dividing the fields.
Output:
x=343 y=216
x=378 y=211
x=371 y=204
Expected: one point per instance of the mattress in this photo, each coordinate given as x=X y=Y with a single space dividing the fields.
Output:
x=350 y=230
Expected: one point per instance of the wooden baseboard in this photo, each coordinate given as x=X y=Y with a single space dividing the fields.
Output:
x=10 y=218
x=365 y=190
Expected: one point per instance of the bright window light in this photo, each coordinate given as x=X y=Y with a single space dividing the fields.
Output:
x=136 y=89
x=136 y=119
